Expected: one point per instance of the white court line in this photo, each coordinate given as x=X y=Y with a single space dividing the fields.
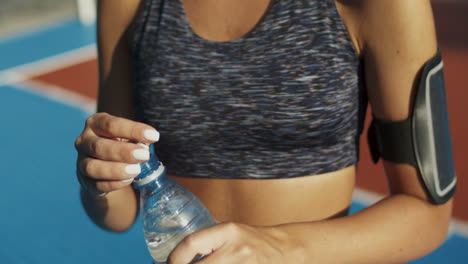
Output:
x=86 y=11
x=53 y=63
x=59 y=95
x=459 y=227
x=19 y=77
x=9 y=77
x=367 y=198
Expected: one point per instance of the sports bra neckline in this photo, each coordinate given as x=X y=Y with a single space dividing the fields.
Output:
x=264 y=20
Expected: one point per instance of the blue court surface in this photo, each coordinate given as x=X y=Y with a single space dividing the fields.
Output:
x=42 y=220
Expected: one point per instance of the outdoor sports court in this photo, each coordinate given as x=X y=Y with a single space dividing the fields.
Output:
x=48 y=86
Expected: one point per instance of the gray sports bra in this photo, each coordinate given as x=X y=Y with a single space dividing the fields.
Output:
x=282 y=101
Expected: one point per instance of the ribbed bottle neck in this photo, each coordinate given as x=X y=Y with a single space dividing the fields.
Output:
x=151 y=170
x=152 y=187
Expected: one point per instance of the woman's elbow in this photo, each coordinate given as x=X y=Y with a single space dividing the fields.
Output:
x=441 y=215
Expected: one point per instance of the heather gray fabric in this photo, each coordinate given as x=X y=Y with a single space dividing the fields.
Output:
x=282 y=101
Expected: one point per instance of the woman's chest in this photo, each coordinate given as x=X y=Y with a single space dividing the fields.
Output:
x=293 y=79
x=224 y=20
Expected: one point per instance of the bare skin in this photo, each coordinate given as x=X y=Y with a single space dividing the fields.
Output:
x=273 y=202
x=294 y=212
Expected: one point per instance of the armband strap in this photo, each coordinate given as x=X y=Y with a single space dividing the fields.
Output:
x=384 y=136
x=422 y=140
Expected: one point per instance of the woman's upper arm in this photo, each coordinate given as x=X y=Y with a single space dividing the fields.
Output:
x=115 y=18
x=398 y=38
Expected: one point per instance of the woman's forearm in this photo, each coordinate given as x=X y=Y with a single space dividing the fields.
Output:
x=397 y=229
x=115 y=211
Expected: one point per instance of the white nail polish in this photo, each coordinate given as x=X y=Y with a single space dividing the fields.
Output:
x=151 y=134
x=141 y=154
x=127 y=180
x=132 y=169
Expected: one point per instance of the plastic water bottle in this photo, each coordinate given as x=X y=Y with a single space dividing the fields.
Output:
x=169 y=211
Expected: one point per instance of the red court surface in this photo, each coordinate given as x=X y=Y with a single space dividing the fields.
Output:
x=453 y=38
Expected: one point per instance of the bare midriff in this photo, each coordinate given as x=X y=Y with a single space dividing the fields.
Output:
x=267 y=202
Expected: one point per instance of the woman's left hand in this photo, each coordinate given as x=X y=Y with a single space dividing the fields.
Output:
x=231 y=243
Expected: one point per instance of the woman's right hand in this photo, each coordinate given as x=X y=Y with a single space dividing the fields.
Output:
x=107 y=154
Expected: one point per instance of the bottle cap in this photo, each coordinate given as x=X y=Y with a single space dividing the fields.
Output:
x=141 y=181
x=150 y=170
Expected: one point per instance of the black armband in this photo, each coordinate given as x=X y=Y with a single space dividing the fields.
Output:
x=423 y=140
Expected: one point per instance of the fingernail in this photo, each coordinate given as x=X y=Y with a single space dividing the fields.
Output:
x=141 y=154
x=127 y=180
x=151 y=134
x=133 y=169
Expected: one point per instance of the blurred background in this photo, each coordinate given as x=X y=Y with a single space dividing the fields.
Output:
x=48 y=86
x=24 y=14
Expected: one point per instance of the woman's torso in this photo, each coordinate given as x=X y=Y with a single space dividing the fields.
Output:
x=275 y=201
x=294 y=198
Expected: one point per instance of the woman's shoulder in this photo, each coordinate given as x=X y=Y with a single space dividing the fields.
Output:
x=388 y=23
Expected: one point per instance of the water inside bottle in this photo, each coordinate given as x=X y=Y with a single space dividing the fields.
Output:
x=170 y=213
x=171 y=218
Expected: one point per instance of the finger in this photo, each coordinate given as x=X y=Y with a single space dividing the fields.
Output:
x=111 y=150
x=203 y=242
x=219 y=256
x=107 y=170
x=110 y=126
x=97 y=187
